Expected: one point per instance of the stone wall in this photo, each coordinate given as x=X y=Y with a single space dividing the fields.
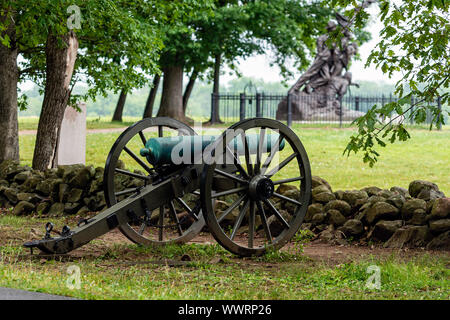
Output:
x=395 y=218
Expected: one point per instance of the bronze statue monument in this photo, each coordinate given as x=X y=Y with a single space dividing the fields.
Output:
x=318 y=92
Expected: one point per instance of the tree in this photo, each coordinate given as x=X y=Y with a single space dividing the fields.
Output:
x=148 y=111
x=240 y=29
x=119 y=45
x=414 y=40
x=9 y=75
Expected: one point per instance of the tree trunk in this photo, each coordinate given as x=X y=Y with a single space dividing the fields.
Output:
x=189 y=88
x=215 y=116
x=60 y=62
x=9 y=76
x=148 y=112
x=119 y=107
x=172 y=95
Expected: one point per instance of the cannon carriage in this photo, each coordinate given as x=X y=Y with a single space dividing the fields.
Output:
x=231 y=183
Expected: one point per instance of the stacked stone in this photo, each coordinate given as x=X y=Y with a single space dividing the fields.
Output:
x=417 y=217
x=74 y=189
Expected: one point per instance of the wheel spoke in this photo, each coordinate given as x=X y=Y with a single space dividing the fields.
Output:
x=175 y=217
x=138 y=160
x=237 y=163
x=126 y=191
x=262 y=213
x=280 y=196
x=160 y=131
x=251 y=224
x=276 y=213
x=231 y=208
x=231 y=191
x=281 y=165
x=142 y=228
x=262 y=135
x=131 y=174
x=188 y=209
x=238 y=222
x=230 y=176
x=287 y=180
x=247 y=154
x=161 y=223
x=273 y=152
x=143 y=139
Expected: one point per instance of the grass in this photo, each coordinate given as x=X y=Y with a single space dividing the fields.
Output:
x=125 y=271
x=425 y=156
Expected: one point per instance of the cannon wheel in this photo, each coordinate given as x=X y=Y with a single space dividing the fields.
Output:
x=168 y=228
x=272 y=218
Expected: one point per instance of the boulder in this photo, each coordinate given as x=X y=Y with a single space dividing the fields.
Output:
x=417 y=186
x=30 y=197
x=335 y=218
x=22 y=176
x=324 y=197
x=293 y=194
x=45 y=187
x=352 y=227
x=409 y=236
x=441 y=242
x=23 y=207
x=56 y=209
x=412 y=205
x=42 y=208
x=318 y=181
x=11 y=195
x=62 y=192
x=385 y=193
x=371 y=191
x=74 y=195
x=320 y=189
x=67 y=172
x=312 y=210
x=82 y=178
x=338 y=194
x=340 y=205
x=428 y=195
x=275 y=225
x=419 y=217
x=383 y=230
x=440 y=209
x=400 y=190
x=438 y=226
x=397 y=200
x=282 y=188
x=72 y=208
x=83 y=211
x=4 y=183
x=31 y=183
x=381 y=211
x=352 y=196
x=9 y=168
x=319 y=218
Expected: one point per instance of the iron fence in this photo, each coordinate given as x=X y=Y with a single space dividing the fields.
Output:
x=302 y=108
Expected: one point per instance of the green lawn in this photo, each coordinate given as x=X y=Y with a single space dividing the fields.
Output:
x=425 y=156
x=121 y=270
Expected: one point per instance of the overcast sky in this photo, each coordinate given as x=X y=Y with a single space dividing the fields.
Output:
x=258 y=66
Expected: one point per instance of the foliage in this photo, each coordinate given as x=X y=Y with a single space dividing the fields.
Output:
x=414 y=41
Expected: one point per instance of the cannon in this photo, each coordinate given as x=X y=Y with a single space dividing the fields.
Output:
x=250 y=187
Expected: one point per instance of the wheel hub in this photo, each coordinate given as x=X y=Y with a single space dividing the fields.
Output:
x=261 y=188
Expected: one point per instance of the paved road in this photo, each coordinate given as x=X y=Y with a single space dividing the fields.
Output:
x=13 y=294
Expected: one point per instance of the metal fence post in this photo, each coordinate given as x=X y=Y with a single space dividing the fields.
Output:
x=213 y=110
x=439 y=125
x=258 y=105
x=242 y=107
x=289 y=110
x=340 y=111
x=357 y=103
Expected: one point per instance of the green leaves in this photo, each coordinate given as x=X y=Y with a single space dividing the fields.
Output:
x=414 y=41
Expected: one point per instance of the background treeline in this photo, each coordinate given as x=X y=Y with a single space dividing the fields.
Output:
x=200 y=102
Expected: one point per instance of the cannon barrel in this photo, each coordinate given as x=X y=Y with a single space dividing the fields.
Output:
x=160 y=151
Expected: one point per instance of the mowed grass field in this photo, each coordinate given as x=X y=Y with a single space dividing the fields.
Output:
x=425 y=156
